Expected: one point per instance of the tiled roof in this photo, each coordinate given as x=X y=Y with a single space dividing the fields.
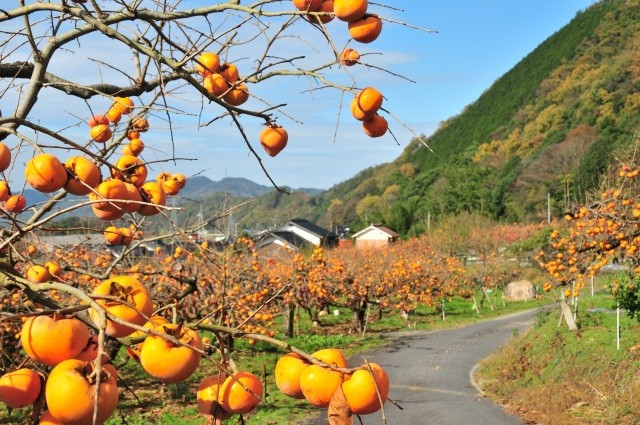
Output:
x=313 y=228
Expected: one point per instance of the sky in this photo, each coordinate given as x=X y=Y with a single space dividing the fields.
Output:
x=431 y=77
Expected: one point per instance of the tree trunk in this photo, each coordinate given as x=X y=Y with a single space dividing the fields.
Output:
x=360 y=316
x=288 y=320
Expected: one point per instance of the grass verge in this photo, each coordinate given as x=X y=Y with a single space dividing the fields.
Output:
x=552 y=375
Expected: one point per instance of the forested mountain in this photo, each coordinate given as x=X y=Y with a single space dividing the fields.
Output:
x=548 y=126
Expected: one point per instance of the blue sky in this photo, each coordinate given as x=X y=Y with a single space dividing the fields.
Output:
x=477 y=42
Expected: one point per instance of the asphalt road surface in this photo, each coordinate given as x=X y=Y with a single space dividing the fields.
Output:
x=430 y=374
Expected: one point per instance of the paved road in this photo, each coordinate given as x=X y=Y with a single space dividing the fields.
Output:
x=430 y=374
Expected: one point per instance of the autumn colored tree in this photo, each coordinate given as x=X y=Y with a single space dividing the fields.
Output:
x=604 y=230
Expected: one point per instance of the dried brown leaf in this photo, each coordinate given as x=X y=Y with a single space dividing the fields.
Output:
x=339 y=410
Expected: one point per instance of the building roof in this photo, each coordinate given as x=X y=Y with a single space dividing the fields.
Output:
x=390 y=233
x=312 y=228
x=288 y=239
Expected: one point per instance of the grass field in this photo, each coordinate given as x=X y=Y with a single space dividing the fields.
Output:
x=552 y=375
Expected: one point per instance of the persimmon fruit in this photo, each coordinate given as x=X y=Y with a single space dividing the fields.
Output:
x=366 y=29
x=131 y=169
x=369 y=100
x=90 y=351
x=241 y=393
x=215 y=84
x=112 y=236
x=100 y=133
x=349 y=57
x=307 y=5
x=98 y=119
x=140 y=124
x=47 y=418
x=273 y=139
x=237 y=95
x=208 y=393
x=20 y=388
x=127 y=235
x=327 y=8
x=4 y=190
x=108 y=214
x=163 y=176
x=45 y=173
x=125 y=290
x=85 y=175
x=5 y=156
x=133 y=197
x=136 y=146
x=208 y=63
x=111 y=193
x=376 y=126
x=123 y=104
x=38 y=274
x=331 y=356
x=114 y=115
x=319 y=383
x=171 y=187
x=153 y=194
x=287 y=374
x=53 y=268
x=53 y=339
x=350 y=10
x=229 y=72
x=134 y=350
x=180 y=178
x=167 y=361
x=360 y=389
x=358 y=113
x=15 y=203
x=70 y=392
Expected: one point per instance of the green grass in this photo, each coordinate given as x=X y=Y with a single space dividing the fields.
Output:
x=554 y=375
x=144 y=400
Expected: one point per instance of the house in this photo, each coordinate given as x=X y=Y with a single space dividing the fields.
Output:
x=296 y=234
x=374 y=236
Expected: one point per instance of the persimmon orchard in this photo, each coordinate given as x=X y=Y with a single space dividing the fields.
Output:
x=89 y=88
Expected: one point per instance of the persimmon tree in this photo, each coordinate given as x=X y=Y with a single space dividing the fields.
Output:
x=606 y=229
x=96 y=99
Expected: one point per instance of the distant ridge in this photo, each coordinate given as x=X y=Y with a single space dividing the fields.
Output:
x=201 y=187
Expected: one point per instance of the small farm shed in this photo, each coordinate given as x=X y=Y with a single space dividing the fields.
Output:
x=375 y=236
